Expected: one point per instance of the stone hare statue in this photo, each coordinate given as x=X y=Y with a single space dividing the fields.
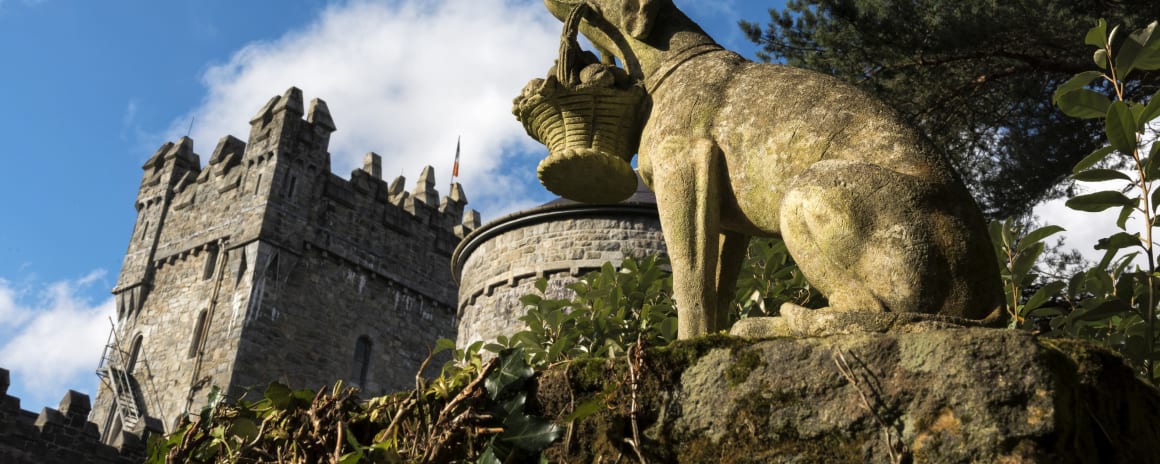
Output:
x=874 y=215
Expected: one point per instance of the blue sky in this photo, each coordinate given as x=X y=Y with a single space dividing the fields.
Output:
x=92 y=88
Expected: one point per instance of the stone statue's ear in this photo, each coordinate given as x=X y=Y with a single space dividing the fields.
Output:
x=638 y=16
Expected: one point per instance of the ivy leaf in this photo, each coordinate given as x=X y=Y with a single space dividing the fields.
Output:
x=279 y=395
x=1098 y=35
x=512 y=372
x=529 y=433
x=1093 y=158
x=1120 y=127
x=1077 y=82
x=1100 y=175
x=1099 y=201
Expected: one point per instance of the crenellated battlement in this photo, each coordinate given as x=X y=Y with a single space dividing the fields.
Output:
x=283 y=168
x=266 y=265
x=63 y=435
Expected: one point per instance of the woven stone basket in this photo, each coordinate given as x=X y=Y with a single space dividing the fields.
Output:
x=591 y=131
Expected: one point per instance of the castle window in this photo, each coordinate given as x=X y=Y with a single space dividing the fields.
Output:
x=134 y=353
x=362 y=360
x=198 y=333
x=290 y=187
x=210 y=263
x=144 y=230
x=258 y=184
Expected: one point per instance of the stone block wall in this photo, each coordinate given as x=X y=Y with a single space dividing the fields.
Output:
x=559 y=241
x=60 y=436
x=265 y=266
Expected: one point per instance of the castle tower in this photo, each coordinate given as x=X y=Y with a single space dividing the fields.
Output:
x=264 y=266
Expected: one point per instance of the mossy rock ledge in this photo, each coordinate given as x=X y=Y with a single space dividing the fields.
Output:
x=946 y=396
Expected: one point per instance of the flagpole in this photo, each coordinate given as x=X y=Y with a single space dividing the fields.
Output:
x=455 y=168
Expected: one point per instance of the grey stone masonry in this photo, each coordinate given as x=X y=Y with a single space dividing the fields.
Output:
x=63 y=435
x=264 y=266
x=560 y=240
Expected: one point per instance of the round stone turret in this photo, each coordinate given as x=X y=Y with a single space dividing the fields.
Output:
x=560 y=240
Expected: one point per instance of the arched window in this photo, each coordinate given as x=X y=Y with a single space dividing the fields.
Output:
x=198 y=333
x=362 y=360
x=134 y=353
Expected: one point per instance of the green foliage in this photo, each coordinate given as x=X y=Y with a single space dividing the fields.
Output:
x=1017 y=254
x=768 y=278
x=973 y=76
x=476 y=413
x=612 y=308
x=1115 y=302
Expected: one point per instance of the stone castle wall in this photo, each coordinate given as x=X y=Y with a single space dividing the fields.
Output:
x=264 y=266
x=59 y=436
x=501 y=261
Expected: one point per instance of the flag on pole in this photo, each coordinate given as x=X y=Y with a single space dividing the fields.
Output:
x=455 y=169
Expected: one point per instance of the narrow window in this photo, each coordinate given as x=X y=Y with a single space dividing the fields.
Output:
x=290 y=186
x=144 y=230
x=258 y=184
x=362 y=360
x=210 y=263
x=198 y=333
x=134 y=353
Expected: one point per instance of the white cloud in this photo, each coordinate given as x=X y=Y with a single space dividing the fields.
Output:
x=403 y=79
x=53 y=338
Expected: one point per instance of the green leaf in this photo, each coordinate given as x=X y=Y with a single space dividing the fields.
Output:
x=529 y=433
x=1130 y=49
x=1049 y=311
x=1149 y=57
x=489 y=456
x=1099 y=201
x=1100 y=175
x=1098 y=35
x=1025 y=260
x=1119 y=241
x=1151 y=111
x=1105 y=309
x=444 y=344
x=1083 y=104
x=279 y=395
x=1100 y=57
x=1077 y=82
x=1121 y=127
x=1125 y=213
x=513 y=370
x=585 y=409
x=1042 y=295
x=542 y=284
x=1093 y=158
x=1038 y=235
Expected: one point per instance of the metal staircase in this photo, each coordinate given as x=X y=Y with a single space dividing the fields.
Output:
x=113 y=371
